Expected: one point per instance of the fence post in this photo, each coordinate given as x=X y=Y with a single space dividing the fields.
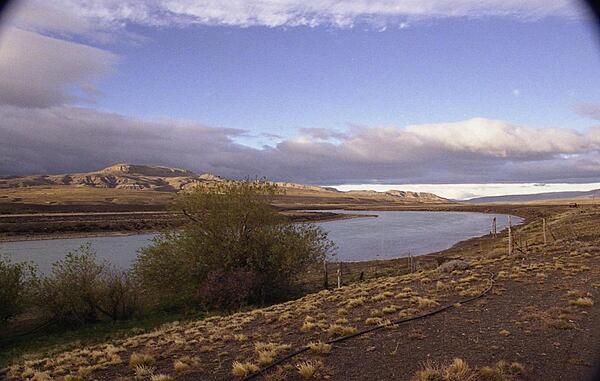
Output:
x=544 y=228
x=326 y=280
x=509 y=236
x=339 y=275
x=494 y=227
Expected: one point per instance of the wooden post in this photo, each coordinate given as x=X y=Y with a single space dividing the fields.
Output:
x=509 y=236
x=326 y=280
x=339 y=275
x=494 y=227
x=544 y=228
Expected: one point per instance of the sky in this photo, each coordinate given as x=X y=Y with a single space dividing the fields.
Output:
x=362 y=93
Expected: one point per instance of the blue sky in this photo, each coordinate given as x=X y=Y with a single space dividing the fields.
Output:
x=388 y=91
x=277 y=80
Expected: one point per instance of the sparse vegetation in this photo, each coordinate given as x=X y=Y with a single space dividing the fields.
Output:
x=459 y=370
x=256 y=338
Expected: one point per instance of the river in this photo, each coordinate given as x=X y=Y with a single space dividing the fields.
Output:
x=391 y=234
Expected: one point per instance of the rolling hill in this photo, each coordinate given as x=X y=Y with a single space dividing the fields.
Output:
x=548 y=196
x=145 y=178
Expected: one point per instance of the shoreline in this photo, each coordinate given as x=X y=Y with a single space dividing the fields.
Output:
x=355 y=265
x=321 y=217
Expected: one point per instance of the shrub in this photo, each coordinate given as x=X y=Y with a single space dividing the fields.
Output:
x=17 y=286
x=80 y=290
x=227 y=290
x=233 y=236
x=120 y=295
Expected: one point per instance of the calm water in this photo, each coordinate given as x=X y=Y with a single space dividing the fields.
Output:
x=389 y=235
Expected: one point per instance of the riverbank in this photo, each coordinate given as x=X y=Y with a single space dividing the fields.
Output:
x=48 y=226
x=532 y=317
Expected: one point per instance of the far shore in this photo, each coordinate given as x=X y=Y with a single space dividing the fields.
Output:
x=300 y=216
x=304 y=213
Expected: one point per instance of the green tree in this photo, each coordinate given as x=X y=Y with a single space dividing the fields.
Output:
x=18 y=283
x=236 y=249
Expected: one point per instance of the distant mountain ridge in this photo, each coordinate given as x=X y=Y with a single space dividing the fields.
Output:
x=118 y=176
x=167 y=179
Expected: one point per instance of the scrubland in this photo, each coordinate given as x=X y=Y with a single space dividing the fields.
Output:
x=540 y=320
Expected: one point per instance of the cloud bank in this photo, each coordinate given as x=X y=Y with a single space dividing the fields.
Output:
x=62 y=139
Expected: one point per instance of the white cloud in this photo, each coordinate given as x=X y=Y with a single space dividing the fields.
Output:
x=81 y=17
x=41 y=71
x=347 y=13
x=494 y=138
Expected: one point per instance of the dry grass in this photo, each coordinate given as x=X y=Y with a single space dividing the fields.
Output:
x=142 y=371
x=308 y=369
x=582 y=302
x=459 y=370
x=319 y=347
x=160 y=377
x=239 y=369
x=137 y=359
x=340 y=330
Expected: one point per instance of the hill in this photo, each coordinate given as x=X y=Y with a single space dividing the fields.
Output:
x=117 y=176
x=133 y=198
x=123 y=176
x=548 y=196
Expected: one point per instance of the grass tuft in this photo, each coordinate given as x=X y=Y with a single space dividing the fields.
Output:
x=582 y=302
x=137 y=359
x=319 y=347
x=307 y=369
x=239 y=369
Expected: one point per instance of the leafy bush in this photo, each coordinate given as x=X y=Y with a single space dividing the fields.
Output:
x=232 y=231
x=17 y=286
x=80 y=290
